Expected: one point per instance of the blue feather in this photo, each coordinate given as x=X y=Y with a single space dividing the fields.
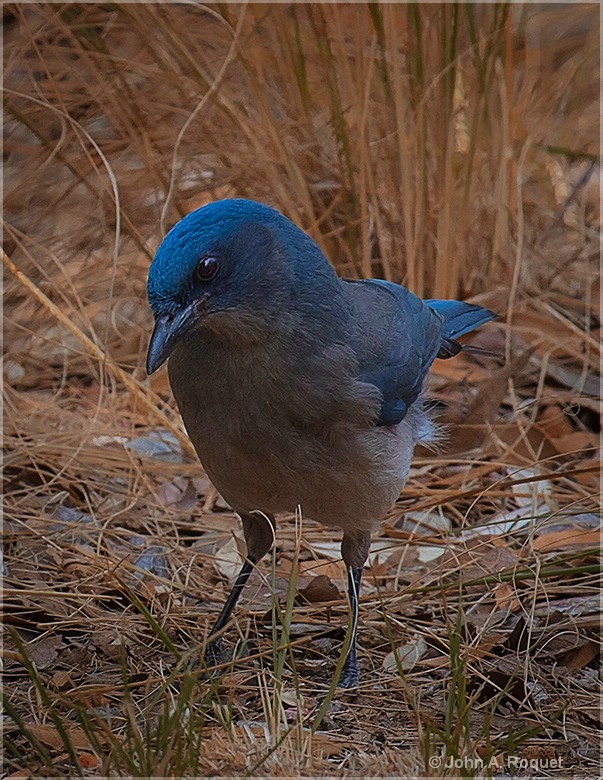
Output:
x=423 y=330
x=460 y=318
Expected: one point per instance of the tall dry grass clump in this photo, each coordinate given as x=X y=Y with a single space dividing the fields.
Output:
x=408 y=139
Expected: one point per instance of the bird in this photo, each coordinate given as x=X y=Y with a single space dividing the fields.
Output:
x=299 y=389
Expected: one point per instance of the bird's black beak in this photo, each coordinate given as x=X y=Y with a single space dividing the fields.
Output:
x=169 y=330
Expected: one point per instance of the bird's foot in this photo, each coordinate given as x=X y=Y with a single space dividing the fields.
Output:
x=215 y=653
x=350 y=674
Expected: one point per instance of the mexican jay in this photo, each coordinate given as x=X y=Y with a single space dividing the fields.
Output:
x=297 y=388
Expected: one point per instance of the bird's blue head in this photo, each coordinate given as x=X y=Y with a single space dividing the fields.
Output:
x=231 y=266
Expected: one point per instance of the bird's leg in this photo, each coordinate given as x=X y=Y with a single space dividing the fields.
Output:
x=214 y=650
x=350 y=672
x=354 y=549
x=258 y=529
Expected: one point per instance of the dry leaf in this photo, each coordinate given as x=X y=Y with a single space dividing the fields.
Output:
x=327 y=549
x=228 y=560
x=319 y=589
x=172 y=492
x=153 y=560
x=383 y=554
x=408 y=656
x=579 y=657
x=292 y=698
x=160 y=444
x=554 y=421
x=334 y=570
x=572 y=537
x=505 y=597
x=426 y=553
x=45 y=651
x=484 y=560
x=427 y=523
x=327 y=745
x=62 y=680
x=48 y=735
x=469 y=428
x=590 y=478
x=88 y=760
x=529 y=494
x=538 y=752
x=158 y=382
x=577 y=441
x=520 y=519
x=572 y=607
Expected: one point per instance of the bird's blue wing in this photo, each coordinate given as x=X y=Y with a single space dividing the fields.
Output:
x=458 y=318
x=396 y=340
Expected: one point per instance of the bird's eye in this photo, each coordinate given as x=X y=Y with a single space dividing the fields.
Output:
x=207 y=268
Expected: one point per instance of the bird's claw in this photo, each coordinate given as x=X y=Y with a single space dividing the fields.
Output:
x=215 y=653
x=350 y=675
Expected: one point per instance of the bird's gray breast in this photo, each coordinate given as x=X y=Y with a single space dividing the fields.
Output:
x=280 y=424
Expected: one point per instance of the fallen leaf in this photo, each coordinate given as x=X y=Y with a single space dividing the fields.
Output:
x=590 y=478
x=228 y=560
x=110 y=641
x=66 y=514
x=327 y=549
x=319 y=589
x=408 y=655
x=427 y=553
x=538 y=752
x=160 y=444
x=520 y=519
x=572 y=376
x=427 y=523
x=578 y=441
x=62 y=679
x=159 y=383
x=529 y=494
x=102 y=441
x=44 y=652
x=572 y=537
x=171 y=492
x=483 y=410
x=505 y=675
x=457 y=371
x=327 y=745
x=520 y=443
x=304 y=629
x=487 y=642
x=153 y=560
x=202 y=485
x=292 y=698
x=484 y=560
x=88 y=760
x=554 y=422
x=580 y=656
x=573 y=607
x=381 y=553
x=48 y=735
x=505 y=597
x=334 y=570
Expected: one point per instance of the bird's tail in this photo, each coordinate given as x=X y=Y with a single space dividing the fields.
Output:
x=459 y=318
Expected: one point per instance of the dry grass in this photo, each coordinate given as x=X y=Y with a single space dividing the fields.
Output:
x=450 y=147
